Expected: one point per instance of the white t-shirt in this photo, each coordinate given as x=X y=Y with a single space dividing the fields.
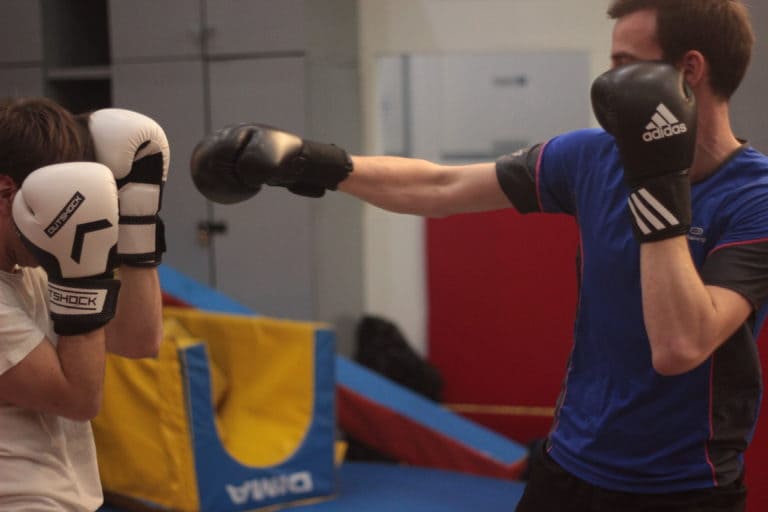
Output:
x=47 y=463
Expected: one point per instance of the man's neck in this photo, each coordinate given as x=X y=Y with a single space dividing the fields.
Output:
x=6 y=262
x=10 y=245
x=715 y=141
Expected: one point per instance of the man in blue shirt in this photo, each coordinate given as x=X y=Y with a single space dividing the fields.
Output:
x=661 y=394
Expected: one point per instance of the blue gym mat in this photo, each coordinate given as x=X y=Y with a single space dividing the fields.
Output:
x=367 y=487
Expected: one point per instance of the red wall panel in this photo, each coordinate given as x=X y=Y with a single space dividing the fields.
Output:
x=502 y=297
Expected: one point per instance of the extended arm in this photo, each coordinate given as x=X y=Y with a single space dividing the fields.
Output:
x=419 y=187
x=232 y=164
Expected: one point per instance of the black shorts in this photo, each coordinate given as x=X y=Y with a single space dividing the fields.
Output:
x=551 y=489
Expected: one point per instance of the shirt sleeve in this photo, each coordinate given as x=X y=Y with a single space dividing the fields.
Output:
x=543 y=178
x=739 y=261
x=516 y=173
x=742 y=268
x=554 y=175
x=18 y=336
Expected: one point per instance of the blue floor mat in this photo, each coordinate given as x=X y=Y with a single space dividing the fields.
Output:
x=388 y=487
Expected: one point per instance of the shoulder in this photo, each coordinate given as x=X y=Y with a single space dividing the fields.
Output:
x=10 y=285
x=27 y=281
x=745 y=179
x=589 y=143
x=748 y=160
x=593 y=137
x=35 y=276
x=735 y=199
x=580 y=152
x=755 y=166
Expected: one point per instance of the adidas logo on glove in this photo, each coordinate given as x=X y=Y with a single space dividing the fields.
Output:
x=663 y=124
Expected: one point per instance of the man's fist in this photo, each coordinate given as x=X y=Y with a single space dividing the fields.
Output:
x=651 y=113
x=233 y=163
x=66 y=215
x=647 y=107
x=136 y=149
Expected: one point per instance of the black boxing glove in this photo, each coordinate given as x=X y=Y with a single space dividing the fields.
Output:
x=231 y=164
x=651 y=113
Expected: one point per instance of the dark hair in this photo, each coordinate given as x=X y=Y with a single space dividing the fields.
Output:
x=37 y=131
x=719 y=29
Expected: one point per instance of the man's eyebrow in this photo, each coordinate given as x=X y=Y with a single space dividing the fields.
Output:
x=622 y=55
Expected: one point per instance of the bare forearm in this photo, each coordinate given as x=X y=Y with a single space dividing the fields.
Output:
x=401 y=185
x=82 y=360
x=419 y=187
x=65 y=380
x=685 y=319
x=136 y=330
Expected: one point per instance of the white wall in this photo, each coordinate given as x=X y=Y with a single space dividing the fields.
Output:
x=394 y=274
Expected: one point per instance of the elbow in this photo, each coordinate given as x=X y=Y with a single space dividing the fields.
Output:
x=143 y=347
x=674 y=359
x=140 y=343
x=669 y=367
x=432 y=205
x=438 y=213
x=150 y=346
x=87 y=413
x=438 y=206
x=84 y=409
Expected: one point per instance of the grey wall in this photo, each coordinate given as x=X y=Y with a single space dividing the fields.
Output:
x=750 y=103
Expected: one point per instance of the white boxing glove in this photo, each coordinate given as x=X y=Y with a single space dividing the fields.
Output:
x=67 y=216
x=136 y=149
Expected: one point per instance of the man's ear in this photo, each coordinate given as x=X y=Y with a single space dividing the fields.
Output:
x=7 y=193
x=695 y=68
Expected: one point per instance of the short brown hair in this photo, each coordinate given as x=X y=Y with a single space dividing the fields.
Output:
x=719 y=29
x=35 y=132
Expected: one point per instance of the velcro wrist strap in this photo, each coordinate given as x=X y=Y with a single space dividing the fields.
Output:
x=81 y=305
x=317 y=166
x=661 y=207
x=141 y=240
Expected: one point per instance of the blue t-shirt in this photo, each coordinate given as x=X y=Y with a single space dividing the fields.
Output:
x=619 y=424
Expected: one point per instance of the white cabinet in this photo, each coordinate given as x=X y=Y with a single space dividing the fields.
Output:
x=475 y=107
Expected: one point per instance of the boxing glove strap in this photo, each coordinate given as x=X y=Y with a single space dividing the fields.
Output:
x=141 y=241
x=316 y=168
x=146 y=170
x=660 y=208
x=82 y=305
x=327 y=162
